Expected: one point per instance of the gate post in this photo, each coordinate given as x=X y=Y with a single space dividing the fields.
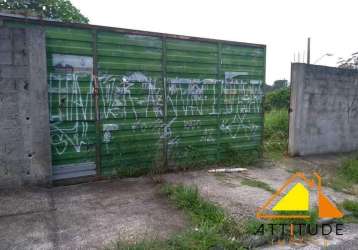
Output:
x=218 y=89
x=164 y=78
x=96 y=103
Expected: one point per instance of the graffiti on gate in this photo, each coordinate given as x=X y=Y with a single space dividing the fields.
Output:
x=135 y=101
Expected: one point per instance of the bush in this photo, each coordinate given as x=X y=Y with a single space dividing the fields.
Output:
x=349 y=170
x=351 y=206
x=278 y=99
x=276 y=131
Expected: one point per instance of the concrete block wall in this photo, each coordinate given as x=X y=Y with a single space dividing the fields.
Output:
x=324 y=110
x=25 y=153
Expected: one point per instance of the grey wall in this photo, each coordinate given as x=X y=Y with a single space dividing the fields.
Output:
x=25 y=156
x=324 y=110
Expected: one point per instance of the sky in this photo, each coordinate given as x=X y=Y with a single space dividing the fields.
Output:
x=282 y=25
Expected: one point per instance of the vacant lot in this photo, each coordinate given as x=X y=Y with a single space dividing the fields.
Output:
x=120 y=213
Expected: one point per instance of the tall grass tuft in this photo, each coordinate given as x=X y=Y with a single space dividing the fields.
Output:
x=276 y=131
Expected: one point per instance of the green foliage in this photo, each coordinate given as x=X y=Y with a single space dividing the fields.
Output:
x=276 y=132
x=349 y=170
x=62 y=10
x=278 y=99
x=212 y=228
x=201 y=212
x=346 y=178
x=258 y=184
x=278 y=84
x=351 y=206
x=276 y=108
x=276 y=121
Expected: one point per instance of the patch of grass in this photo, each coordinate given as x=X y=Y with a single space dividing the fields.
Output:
x=188 y=199
x=201 y=212
x=349 y=170
x=348 y=219
x=250 y=226
x=351 y=206
x=258 y=184
x=346 y=178
x=277 y=99
x=212 y=228
x=276 y=133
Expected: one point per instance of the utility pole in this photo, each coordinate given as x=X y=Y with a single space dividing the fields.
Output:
x=309 y=50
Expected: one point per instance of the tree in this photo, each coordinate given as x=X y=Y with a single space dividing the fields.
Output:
x=277 y=85
x=350 y=63
x=278 y=99
x=61 y=10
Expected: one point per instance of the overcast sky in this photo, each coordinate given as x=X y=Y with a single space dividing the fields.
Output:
x=283 y=25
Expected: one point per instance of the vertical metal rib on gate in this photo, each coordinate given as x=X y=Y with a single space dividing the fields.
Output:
x=96 y=94
x=165 y=121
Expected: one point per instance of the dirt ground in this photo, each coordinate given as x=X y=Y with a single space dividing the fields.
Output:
x=94 y=215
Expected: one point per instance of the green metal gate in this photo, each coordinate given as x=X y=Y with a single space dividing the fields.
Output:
x=123 y=102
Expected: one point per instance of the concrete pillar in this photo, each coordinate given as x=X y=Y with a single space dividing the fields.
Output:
x=25 y=152
x=324 y=110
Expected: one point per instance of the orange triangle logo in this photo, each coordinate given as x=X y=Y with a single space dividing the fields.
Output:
x=326 y=209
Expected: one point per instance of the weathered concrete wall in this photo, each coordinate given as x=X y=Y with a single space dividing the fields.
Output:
x=324 y=110
x=25 y=156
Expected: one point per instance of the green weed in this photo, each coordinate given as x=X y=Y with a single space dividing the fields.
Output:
x=346 y=178
x=276 y=133
x=351 y=206
x=258 y=184
x=212 y=228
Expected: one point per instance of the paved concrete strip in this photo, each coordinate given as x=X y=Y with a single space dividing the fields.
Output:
x=88 y=216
